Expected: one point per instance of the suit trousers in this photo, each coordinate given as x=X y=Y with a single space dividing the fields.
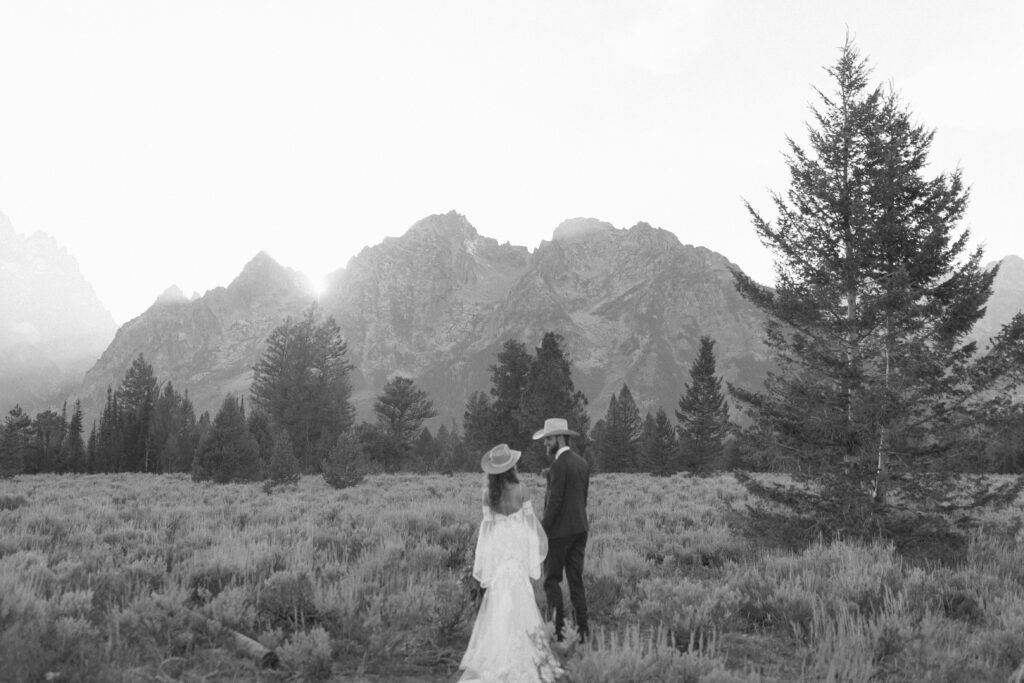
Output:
x=566 y=554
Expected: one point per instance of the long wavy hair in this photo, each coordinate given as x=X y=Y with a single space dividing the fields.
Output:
x=495 y=484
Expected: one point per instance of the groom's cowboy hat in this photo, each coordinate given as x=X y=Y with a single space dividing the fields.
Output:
x=554 y=426
x=499 y=459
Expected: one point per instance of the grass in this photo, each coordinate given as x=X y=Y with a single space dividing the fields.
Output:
x=119 y=577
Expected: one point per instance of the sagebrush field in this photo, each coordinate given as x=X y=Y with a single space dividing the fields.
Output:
x=146 y=578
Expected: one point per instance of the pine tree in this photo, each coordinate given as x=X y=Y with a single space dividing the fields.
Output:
x=137 y=398
x=302 y=381
x=401 y=410
x=44 y=453
x=550 y=393
x=229 y=452
x=426 y=452
x=109 y=452
x=509 y=379
x=477 y=423
x=15 y=442
x=703 y=413
x=609 y=443
x=72 y=452
x=873 y=295
x=597 y=439
x=90 y=450
x=619 y=449
x=262 y=429
x=659 y=450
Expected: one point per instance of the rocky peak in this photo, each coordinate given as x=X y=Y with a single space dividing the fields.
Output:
x=265 y=276
x=451 y=227
x=172 y=295
x=580 y=228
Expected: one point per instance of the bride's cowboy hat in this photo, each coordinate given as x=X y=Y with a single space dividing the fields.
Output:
x=554 y=426
x=499 y=459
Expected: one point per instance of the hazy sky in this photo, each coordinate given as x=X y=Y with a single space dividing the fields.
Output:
x=168 y=142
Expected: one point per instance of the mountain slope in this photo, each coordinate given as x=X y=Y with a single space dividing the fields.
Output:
x=52 y=324
x=207 y=345
x=438 y=303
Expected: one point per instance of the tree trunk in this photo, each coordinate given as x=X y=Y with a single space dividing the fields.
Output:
x=882 y=469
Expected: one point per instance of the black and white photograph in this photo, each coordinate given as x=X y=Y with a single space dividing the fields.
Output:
x=582 y=341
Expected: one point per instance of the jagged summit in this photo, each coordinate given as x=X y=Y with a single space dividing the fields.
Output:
x=263 y=274
x=170 y=296
x=450 y=225
x=580 y=228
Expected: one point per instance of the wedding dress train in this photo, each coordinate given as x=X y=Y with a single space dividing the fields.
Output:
x=508 y=644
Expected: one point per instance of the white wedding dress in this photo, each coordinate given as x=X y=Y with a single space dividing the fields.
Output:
x=508 y=644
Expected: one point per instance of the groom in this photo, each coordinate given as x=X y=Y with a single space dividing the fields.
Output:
x=565 y=521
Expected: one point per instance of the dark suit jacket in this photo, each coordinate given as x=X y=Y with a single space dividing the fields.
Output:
x=565 y=502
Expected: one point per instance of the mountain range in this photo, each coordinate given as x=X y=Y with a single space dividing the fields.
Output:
x=437 y=304
x=52 y=324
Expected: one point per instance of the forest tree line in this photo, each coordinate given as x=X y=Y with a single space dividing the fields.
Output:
x=299 y=419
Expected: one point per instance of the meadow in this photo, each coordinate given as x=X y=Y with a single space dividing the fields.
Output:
x=131 y=577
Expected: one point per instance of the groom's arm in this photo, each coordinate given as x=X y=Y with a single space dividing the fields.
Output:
x=556 y=494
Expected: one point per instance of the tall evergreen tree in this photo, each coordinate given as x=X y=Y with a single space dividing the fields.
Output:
x=703 y=413
x=873 y=292
x=262 y=429
x=619 y=448
x=90 y=450
x=659 y=450
x=72 y=451
x=109 y=454
x=452 y=452
x=229 y=452
x=550 y=393
x=44 y=453
x=15 y=442
x=426 y=452
x=477 y=423
x=137 y=397
x=302 y=381
x=509 y=379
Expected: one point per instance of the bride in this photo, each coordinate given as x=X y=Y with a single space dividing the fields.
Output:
x=508 y=642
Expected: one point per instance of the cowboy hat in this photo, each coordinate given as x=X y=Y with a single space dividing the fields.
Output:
x=553 y=426
x=499 y=459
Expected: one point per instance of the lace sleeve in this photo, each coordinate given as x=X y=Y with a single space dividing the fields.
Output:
x=538 y=540
x=483 y=561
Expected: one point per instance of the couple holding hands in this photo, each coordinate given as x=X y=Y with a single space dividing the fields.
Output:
x=513 y=547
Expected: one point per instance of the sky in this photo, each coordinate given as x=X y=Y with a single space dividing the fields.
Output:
x=167 y=143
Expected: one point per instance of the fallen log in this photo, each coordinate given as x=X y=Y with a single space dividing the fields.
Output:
x=240 y=643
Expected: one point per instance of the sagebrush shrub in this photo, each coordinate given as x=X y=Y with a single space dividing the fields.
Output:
x=308 y=653
x=286 y=599
x=12 y=502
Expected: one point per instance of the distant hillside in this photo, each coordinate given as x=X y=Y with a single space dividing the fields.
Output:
x=1006 y=301
x=208 y=345
x=52 y=324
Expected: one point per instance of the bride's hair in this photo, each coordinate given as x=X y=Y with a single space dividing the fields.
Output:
x=495 y=483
